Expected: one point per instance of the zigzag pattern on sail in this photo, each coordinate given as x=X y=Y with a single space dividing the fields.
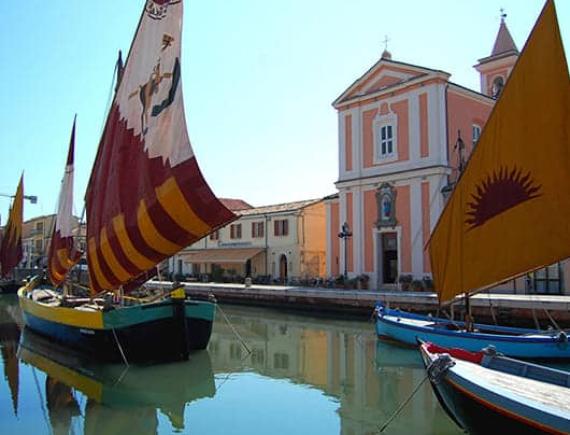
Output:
x=147 y=198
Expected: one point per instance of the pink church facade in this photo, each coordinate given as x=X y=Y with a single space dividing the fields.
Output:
x=404 y=133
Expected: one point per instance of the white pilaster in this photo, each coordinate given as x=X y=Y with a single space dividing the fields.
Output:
x=341 y=145
x=416 y=227
x=358 y=235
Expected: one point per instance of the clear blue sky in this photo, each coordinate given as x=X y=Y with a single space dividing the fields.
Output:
x=259 y=78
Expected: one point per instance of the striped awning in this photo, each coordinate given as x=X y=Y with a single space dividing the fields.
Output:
x=226 y=255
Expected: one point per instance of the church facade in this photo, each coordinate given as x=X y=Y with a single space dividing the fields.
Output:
x=405 y=132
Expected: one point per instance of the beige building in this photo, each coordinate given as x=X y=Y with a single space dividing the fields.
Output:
x=284 y=242
x=36 y=237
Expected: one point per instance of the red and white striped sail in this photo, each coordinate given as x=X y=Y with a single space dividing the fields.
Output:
x=63 y=255
x=147 y=198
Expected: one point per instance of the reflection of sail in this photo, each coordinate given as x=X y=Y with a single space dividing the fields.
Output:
x=102 y=419
x=9 y=337
x=118 y=395
x=61 y=405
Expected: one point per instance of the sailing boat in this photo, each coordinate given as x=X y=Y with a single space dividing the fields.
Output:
x=146 y=200
x=528 y=133
x=508 y=214
x=11 y=245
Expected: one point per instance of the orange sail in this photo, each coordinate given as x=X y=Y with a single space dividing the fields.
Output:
x=509 y=211
x=147 y=198
x=63 y=255
x=11 y=249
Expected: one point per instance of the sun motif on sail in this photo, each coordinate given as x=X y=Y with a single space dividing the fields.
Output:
x=499 y=192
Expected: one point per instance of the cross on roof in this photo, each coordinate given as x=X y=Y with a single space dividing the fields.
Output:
x=503 y=14
x=386 y=40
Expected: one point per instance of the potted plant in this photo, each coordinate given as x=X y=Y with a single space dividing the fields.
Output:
x=363 y=281
x=417 y=285
x=404 y=282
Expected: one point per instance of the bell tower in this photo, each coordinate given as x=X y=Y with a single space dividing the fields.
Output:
x=496 y=68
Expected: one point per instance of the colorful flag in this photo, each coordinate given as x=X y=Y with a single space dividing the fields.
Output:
x=11 y=249
x=63 y=255
x=509 y=213
x=146 y=198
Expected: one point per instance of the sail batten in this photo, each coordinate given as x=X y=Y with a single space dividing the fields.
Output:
x=508 y=213
x=147 y=198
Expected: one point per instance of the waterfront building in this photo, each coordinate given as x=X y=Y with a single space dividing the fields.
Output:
x=282 y=242
x=405 y=134
x=36 y=237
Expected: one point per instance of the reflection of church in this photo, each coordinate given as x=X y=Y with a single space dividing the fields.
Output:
x=404 y=133
x=337 y=357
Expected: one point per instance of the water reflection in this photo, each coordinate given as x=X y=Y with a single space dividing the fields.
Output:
x=368 y=378
x=9 y=338
x=264 y=372
x=118 y=398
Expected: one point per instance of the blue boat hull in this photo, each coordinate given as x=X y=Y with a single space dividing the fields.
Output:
x=408 y=329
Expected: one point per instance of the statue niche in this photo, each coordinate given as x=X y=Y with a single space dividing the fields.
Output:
x=386 y=206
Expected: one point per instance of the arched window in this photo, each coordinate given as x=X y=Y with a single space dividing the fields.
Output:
x=475 y=134
x=498 y=84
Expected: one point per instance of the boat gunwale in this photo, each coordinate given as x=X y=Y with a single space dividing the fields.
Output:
x=403 y=322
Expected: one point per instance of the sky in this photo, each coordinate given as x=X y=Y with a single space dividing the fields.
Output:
x=259 y=78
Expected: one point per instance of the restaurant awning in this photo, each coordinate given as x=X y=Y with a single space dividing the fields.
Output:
x=220 y=255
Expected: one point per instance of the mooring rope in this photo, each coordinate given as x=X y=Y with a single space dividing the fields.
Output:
x=403 y=404
x=242 y=341
x=120 y=347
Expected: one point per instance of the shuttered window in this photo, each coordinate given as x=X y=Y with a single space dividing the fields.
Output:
x=235 y=231
x=257 y=229
x=281 y=227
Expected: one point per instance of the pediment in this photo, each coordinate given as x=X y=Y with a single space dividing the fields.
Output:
x=383 y=75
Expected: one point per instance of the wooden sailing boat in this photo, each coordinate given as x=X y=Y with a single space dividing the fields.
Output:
x=145 y=201
x=484 y=392
x=11 y=244
x=525 y=144
x=508 y=213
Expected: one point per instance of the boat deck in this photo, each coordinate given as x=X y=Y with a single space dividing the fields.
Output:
x=522 y=389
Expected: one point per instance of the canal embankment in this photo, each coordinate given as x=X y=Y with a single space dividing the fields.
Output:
x=507 y=309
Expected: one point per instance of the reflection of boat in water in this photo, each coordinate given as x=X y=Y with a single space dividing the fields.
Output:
x=395 y=355
x=114 y=391
x=9 y=286
x=9 y=337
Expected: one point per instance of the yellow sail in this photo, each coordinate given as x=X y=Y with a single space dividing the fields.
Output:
x=510 y=210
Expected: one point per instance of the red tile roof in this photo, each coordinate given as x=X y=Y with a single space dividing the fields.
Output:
x=235 y=204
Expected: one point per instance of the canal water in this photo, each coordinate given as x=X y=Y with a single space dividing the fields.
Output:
x=265 y=372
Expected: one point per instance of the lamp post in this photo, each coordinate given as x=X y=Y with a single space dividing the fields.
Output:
x=32 y=198
x=344 y=235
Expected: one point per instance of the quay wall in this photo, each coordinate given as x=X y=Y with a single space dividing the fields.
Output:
x=505 y=309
